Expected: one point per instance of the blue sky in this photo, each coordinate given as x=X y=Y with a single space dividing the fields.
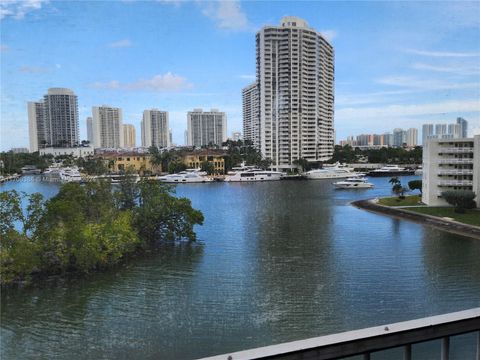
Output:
x=397 y=64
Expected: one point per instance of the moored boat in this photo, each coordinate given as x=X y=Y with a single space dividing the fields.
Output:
x=391 y=170
x=353 y=183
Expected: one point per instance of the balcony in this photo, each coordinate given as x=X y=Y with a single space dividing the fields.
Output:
x=456 y=161
x=454 y=150
x=371 y=340
x=455 y=172
x=455 y=183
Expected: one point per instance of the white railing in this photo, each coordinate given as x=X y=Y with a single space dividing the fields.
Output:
x=454 y=150
x=455 y=172
x=367 y=341
x=455 y=183
x=455 y=161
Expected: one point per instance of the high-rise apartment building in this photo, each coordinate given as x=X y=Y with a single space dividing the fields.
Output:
x=294 y=87
x=155 y=128
x=427 y=132
x=441 y=130
x=454 y=131
x=236 y=135
x=206 y=127
x=90 y=130
x=399 y=137
x=129 y=136
x=412 y=137
x=107 y=127
x=251 y=114
x=463 y=127
x=61 y=118
x=36 y=125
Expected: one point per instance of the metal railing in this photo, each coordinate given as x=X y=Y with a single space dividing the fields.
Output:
x=455 y=172
x=455 y=183
x=367 y=341
x=456 y=161
x=454 y=150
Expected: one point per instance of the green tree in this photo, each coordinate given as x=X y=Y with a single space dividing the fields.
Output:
x=303 y=163
x=415 y=185
x=208 y=167
x=460 y=199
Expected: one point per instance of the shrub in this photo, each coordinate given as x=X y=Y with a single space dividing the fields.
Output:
x=415 y=185
x=460 y=199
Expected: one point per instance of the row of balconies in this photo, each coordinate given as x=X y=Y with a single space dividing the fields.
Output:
x=455 y=150
x=455 y=183
x=456 y=161
x=455 y=172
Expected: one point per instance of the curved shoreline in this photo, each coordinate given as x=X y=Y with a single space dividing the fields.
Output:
x=436 y=222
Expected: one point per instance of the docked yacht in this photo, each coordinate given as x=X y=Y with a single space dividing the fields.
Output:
x=329 y=173
x=353 y=183
x=339 y=165
x=70 y=174
x=116 y=178
x=391 y=170
x=187 y=176
x=251 y=173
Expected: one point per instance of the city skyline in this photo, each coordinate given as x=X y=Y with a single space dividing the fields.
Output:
x=429 y=75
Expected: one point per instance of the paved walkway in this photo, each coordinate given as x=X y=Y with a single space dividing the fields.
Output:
x=437 y=222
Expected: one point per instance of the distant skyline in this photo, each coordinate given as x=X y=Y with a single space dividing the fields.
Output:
x=397 y=64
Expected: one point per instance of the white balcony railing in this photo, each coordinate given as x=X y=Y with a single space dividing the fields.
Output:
x=455 y=172
x=455 y=161
x=455 y=183
x=454 y=150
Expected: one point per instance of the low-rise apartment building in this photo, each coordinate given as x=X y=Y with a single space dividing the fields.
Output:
x=137 y=162
x=194 y=160
x=450 y=164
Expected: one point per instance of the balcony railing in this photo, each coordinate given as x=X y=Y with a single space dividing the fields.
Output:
x=455 y=161
x=367 y=341
x=454 y=150
x=455 y=172
x=455 y=183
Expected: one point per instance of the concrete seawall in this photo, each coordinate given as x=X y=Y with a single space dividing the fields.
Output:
x=439 y=223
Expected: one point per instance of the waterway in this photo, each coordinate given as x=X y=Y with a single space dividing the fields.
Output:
x=274 y=262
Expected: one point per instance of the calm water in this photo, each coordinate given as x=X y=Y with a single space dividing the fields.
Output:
x=275 y=262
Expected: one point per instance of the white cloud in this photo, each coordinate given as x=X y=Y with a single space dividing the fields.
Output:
x=442 y=53
x=33 y=69
x=120 y=44
x=457 y=69
x=17 y=9
x=159 y=83
x=395 y=111
x=247 y=77
x=228 y=15
x=424 y=84
x=329 y=35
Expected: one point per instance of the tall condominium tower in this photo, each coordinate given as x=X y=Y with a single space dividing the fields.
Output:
x=206 y=127
x=36 y=125
x=251 y=114
x=155 y=128
x=463 y=127
x=295 y=84
x=441 y=130
x=412 y=137
x=90 y=130
x=61 y=118
x=129 y=135
x=399 y=137
x=427 y=132
x=107 y=127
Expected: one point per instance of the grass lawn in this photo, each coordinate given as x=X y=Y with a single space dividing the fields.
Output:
x=395 y=201
x=471 y=217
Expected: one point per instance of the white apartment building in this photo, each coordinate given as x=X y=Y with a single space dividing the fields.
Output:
x=412 y=137
x=79 y=151
x=251 y=114
x=107 y=127
x=427 y=132
x=36 y=125
x=155 y=128
x=129 y=136
x=450 y=164
x=295 y=84
x=206 y=127
x=61 y=118
x=90 y=129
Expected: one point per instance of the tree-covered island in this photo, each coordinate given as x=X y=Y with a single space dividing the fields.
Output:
x=89 y=227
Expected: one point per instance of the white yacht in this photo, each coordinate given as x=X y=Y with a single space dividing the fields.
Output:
x=116 y=178
x=187 y=176
x=419 y=170
x=70 y=174
x=353 y=183
x=250 y=173
x=339 y=165
x=391 y=170
x=329 y=173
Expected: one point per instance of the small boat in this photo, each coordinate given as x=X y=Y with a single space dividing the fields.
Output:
x=353 y=183
x=70 y=174
x=187 y=176
x=30 y=170
x=391 y=170
x=117 y=178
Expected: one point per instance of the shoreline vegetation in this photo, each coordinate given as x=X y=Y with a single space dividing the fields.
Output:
x=443 y=218
x=88 y=228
